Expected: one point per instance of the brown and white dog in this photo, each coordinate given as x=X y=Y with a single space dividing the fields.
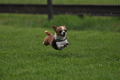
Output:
x=57 y=41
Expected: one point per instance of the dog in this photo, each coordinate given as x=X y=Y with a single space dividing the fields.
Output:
x=58 y=41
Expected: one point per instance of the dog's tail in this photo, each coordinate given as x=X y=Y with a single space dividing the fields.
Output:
x=48 y=33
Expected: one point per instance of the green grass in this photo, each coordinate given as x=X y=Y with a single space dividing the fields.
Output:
x=93 y=53
x=71 y=21
x=63 y=1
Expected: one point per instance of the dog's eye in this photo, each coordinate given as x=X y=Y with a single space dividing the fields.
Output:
x=60 y=31
x=65 y=30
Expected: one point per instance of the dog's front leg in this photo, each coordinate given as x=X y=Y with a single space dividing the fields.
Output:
x=66 y=43
x=60 y=46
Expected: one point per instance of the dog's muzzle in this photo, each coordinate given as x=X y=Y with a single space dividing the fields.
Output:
x=63 y=34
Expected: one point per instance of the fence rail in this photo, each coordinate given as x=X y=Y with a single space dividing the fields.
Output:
x=101 y=10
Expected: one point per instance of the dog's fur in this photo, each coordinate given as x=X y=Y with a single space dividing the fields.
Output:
x=57 y=41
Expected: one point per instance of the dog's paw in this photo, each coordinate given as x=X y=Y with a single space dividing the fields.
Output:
x=66 y=44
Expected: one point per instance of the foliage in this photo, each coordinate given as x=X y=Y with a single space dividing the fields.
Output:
x=115 y=2
x=70 y=21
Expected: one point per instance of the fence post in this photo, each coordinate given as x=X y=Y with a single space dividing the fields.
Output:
x=50 y=9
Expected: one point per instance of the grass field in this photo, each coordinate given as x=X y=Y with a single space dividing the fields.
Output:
x=63 y=1
x=93 y=54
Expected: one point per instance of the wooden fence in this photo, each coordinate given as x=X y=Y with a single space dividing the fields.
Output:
x=95 y=10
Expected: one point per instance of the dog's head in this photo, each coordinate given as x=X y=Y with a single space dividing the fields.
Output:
x=60 y=31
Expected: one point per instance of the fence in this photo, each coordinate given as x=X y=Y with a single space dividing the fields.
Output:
x=101 y=10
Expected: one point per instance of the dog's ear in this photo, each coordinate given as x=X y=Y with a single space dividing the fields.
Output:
x=54 y=28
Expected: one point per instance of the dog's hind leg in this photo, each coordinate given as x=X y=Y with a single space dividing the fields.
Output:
x=46 y=41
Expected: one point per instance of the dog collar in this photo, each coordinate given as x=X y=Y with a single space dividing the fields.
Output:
x=57 y=40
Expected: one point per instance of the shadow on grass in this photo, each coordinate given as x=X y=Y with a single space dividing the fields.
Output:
x=66 y=55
